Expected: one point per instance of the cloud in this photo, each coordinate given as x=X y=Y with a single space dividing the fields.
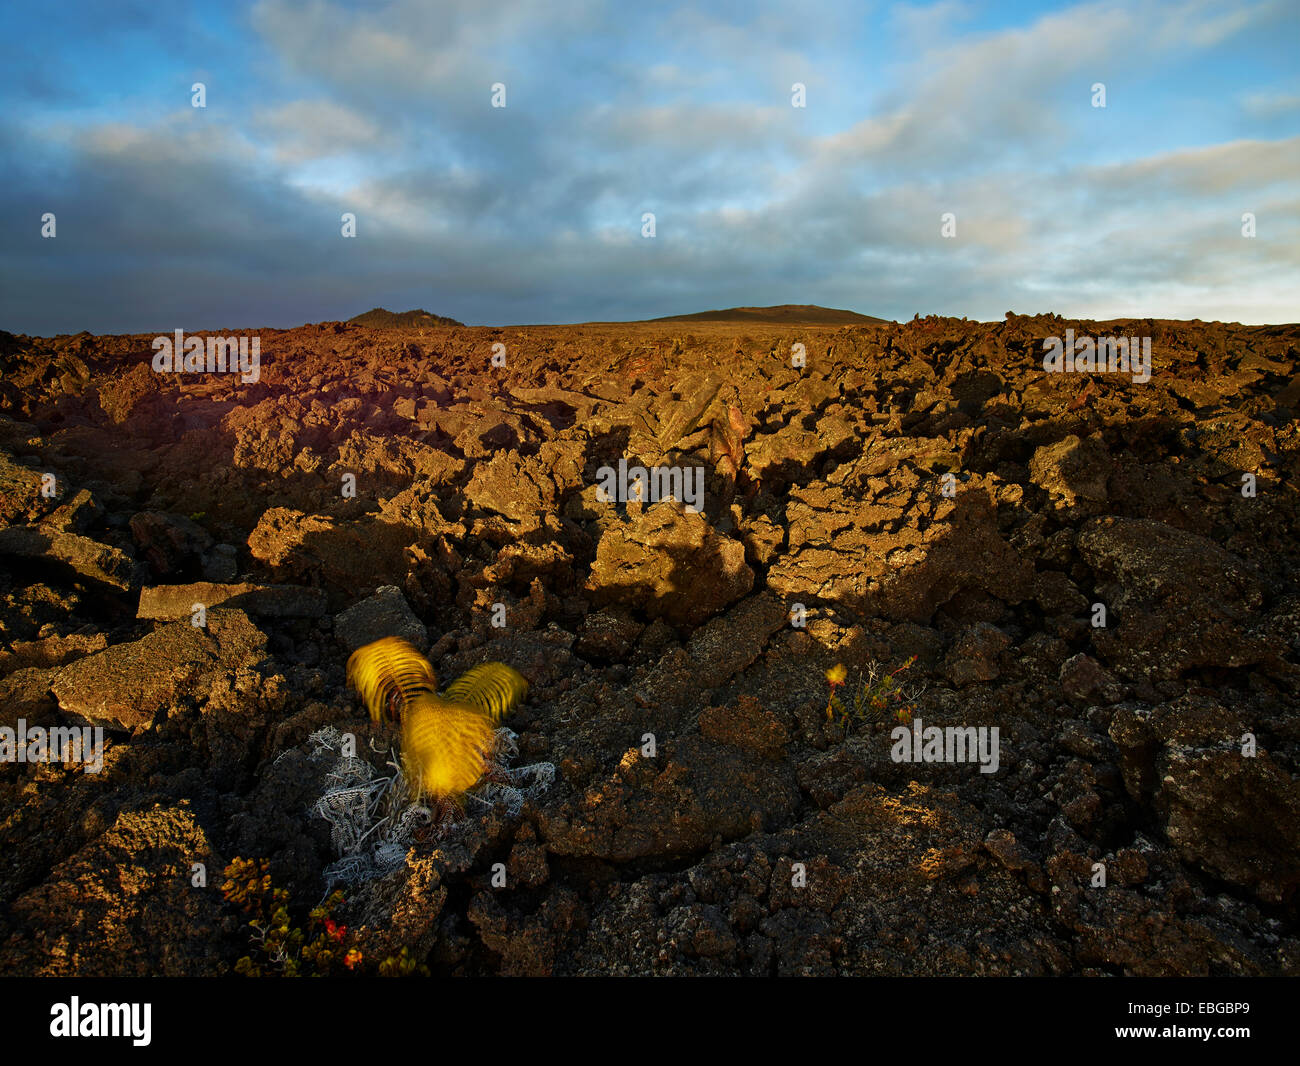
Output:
x=530 y=213
x=302 y=130
x=1269 y=105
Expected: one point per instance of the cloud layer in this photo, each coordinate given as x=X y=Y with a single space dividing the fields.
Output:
x=230 y=215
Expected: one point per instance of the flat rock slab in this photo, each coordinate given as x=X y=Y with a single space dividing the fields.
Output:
x=124 y=686
x=89 y=558
x=176 y=602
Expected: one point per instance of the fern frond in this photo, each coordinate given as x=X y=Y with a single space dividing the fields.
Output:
x=445 y=745
x=494 y=688
x=388 y=674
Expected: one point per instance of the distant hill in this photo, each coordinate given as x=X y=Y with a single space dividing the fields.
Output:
x=381 y=319
x=800 y=314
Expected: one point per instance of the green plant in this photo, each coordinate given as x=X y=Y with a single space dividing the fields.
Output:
x=403 y=965
x=877 y=696
x=280 y=945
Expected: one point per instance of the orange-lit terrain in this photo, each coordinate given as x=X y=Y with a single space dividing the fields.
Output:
x=710 y=810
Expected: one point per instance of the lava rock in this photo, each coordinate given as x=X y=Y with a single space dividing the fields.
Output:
x=385 y=614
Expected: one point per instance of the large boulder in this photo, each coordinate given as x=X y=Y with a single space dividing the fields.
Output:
x=124 y=905
x=124 y=686
x=1233 y=814
x=670 y=562
x=385 y=614
x=891 y=558
x=349 y=555
x=1182 y=601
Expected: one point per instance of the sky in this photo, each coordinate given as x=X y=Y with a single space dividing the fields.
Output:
x=167 y=215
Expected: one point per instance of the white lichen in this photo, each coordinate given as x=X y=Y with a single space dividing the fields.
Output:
x=374 y=819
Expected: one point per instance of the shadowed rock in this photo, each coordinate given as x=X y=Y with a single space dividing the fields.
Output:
x=668 y=561
x=88 y=558
x=123 y=905
x=385 y=614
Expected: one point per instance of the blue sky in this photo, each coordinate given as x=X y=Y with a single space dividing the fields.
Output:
x=171 y=216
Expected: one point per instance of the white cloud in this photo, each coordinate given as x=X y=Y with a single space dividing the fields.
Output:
x=1269 y=105
x=312 y=129
x=533 y=213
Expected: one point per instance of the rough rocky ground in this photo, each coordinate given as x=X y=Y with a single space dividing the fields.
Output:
x=476 y=485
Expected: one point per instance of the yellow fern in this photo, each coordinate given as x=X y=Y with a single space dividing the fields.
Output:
x=446 y=740
x=389 y=673
x=494 y=688
x=445 y=745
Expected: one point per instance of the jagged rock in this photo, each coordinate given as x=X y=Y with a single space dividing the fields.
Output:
x=975 y=653
x=671 y=806
x=120 y=396
x=527 y=944
x=20 y=493
x=75 y=515
x=124 y=686
x=123 y=905
x=170 y=543
x=668 y=561
x=763 y=539
x=1084 y=679
x=1237 y=816
x=348 y=555
x=486 y=431
x=1003 y=846
x=873 y=558
x=1122 y=928
x=1073 y=472
x=385 y=614
x=793 y=451
x=745 y=725
x=519 y=489
x=1182 y=600
x=50 y=651
x=715 y=653
x=25 y=694
x=606 y=636
x=221 y=564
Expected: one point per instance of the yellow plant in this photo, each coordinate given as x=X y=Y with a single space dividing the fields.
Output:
x=388 y=674
x=446 y=739
x=494 y=688
x=445 y=745
x=879 y=695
